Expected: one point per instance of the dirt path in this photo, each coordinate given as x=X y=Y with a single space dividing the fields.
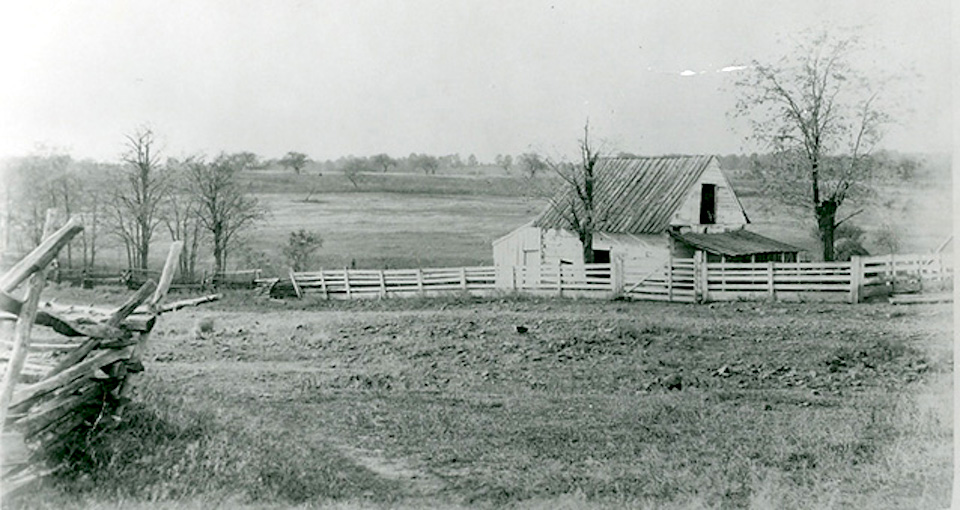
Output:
x=415 y=481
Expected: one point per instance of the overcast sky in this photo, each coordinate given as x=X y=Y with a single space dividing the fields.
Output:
x=483 y=77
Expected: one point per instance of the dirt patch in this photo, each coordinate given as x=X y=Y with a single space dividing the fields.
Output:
x=415 y=481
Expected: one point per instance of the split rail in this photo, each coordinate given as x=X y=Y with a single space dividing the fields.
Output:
x=67 y=370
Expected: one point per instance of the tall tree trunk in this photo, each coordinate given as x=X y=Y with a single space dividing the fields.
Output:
x=218 y=251
x=586 y=239
x=827 y=224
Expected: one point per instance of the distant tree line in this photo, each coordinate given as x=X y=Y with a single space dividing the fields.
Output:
x=129 y=203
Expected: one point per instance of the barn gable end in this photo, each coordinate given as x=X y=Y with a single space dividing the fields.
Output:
x=729 y=211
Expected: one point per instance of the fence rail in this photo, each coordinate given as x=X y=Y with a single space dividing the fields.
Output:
x=359 y=283
x=679 y=280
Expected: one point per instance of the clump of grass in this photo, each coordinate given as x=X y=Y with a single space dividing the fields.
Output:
x=164 y=450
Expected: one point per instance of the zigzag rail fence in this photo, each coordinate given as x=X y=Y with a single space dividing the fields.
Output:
x=67 y=370
x=685 y=280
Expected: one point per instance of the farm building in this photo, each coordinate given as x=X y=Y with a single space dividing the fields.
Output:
x=648 y=210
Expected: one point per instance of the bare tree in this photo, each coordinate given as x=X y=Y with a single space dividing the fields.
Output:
x=140 y=188
x=224 y=207
x=181 y=216
x=383 y=161
x=504 y=161
x=575 y=202
x=96 y=183
x=36 y=183
x=294 y=160
x=429 y=164
x=822 y=118
x=532 y=163
x=353 y=168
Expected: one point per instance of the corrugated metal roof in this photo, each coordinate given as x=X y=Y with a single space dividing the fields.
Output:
x=634 y=195
x=735 y=242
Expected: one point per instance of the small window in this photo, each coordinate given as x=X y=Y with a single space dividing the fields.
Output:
x=601 y=256
x=708 y=204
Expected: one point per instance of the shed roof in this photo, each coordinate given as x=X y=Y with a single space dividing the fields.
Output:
x=735 y=243
x=633 y=195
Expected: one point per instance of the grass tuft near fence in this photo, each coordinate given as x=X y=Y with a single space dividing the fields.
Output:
x=168 y=450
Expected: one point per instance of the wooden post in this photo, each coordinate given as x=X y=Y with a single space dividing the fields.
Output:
x=27 y=315
x=463 y=278
x=559 y=277
x=323 y=285
x=383 y=285
x=166 y=277
x=21 y=342
x=513 y=278
x=723 y=273
x=856 y=278
x=296 y=286
x=420 y=282
x=670 y=276
x=701 y=277
x=771 y=290
x=616 y=276
x=346 y=281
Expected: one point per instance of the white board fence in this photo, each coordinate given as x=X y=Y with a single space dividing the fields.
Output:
x=678 y=280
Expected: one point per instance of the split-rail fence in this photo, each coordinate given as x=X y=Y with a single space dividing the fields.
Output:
x=66 y=370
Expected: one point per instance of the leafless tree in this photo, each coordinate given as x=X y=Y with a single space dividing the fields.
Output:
x=294 y=160
x=135 y=203
x=575 y=202
x=504 y=161
x=429 y=164
x=225 y=208
x=352 y=168
x=532 y=163
x=822 y=118
x=181 y=216
x=383 y=161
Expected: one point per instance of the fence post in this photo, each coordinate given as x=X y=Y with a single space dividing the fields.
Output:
x=616 y=276
x=346 y=281
x=559 y=278
x=323 y=285
x=513 y=278
x=420 y=281
x=670 y=277
x=296 y=287
x=383 y=286
x=463 y=278
x=856 y=278
x=700 y=276
x=771 y=291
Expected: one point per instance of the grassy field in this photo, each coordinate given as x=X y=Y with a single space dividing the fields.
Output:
x=408 y=220
x=444 y=404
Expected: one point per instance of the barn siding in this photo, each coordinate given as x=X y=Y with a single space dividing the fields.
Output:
x=518 y=248
x=729 y=212
x=642 y=252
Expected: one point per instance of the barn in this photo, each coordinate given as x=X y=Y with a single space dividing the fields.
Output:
x=648 y=209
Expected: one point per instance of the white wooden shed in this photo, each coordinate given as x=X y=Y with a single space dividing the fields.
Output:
x=640 y=202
